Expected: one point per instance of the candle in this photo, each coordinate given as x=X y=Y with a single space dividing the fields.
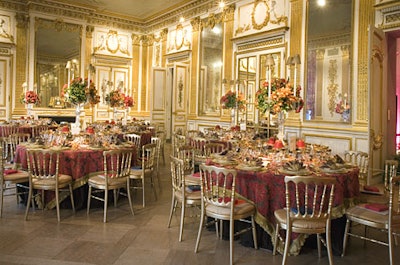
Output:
x=269 y=82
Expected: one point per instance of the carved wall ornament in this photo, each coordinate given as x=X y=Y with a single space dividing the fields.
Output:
x=112 y=42
x=179 y=37
x=332 y=86
x=260 y=15
x=5 y=28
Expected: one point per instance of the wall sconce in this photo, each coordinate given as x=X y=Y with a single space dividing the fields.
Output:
x=293 y=61
x=269 y=63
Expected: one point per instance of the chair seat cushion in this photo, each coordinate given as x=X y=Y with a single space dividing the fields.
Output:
x=63 y=180
x=18 y=177
x=192 y=179
x=137 y=173
x=280 y=216
x=100 y=181
x=241 y=208
x=360 y=212
x=194 y=196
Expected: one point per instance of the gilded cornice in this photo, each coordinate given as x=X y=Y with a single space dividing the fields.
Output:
x=229 y=13
x=135 y=39
x=57 y=24
x=261 y=44
x=22 y=20
x=18 y=5
x=89 y=31
x=196 y=24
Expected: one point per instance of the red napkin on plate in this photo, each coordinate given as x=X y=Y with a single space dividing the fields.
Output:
x=371 y=188
x=196 y=175
x=10 y=171
x=377 y=207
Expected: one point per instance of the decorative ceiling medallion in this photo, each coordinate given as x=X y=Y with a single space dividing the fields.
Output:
x=112 y=41
x=179 y=37
x=260 y=15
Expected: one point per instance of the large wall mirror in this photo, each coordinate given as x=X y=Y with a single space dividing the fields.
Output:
x=211 y=57
x=56 y=43
x=328 y=71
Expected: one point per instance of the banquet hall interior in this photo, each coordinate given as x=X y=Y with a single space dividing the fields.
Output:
x=269 y=88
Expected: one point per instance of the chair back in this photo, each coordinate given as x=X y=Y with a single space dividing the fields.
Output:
x=309 y=197
x=16 y=139
x=177 y=176
x=394 y=202
x=5 y=149
x=133 y=138
x=43 y=164
x=148 y=156
x=186 y=154
x=117 y=163
x=212 y=148
x=178 y=140
x=190 y=134
x=38 y=129
x=218 y=186
x=390 y=171
x=8 y=129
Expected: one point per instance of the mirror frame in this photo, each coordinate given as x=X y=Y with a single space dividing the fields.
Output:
x=58 y=25
x=205 y=76
x=326 y=74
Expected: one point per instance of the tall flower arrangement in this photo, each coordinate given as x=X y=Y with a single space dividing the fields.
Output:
x=128 y=101
x=230 y=101
x=115 y=98
x=80 y=92
x=30 y=97
x=283 y=98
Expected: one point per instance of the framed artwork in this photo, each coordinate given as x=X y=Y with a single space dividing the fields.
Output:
x=6 y=29
x=103 y=82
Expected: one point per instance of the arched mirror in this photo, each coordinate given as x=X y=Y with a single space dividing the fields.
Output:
x=328 y=65
x=211 y=69
x=56 y=43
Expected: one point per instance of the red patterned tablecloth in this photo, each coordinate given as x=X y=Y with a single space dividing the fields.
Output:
x=267 y=191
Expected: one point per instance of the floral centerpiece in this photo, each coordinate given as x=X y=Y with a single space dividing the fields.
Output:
x=115 y=98
x=30 y=97
x=76 y=92
x=230 y=101
x=128 y=101
x=282 y=99
x=343 y=107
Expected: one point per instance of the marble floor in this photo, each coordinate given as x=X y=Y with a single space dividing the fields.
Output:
x=140 y=239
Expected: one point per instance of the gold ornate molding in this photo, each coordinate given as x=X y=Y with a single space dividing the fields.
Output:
x=196 y=24
x=229 y=13
x=89 y=31
x=58 y=24
x=22 y=20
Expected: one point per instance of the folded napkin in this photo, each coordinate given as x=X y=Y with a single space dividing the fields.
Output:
x=377 y=207
x=10 y=171
x=196 y=175
x=371 y=188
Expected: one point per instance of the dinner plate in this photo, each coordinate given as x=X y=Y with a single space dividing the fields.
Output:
x=332 y=170
x=301 y=172
x=249 y=168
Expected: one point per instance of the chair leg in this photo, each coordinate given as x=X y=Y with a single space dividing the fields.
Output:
x=143 y=192
x=129 y=196
x=88 y=199
x=231 y=232
x=182 y=220
x=28 y=203
x=275 y=239
x=319 y=245
x=57 y=205
x=115 y=197
x=253 y=224
x=72 y=198
x=329 y=243
x=287 y=245
x=105 y=205
x=196 y=248
x=1 y=199
x=173 y=205
x=345 y=236
x=390 y=245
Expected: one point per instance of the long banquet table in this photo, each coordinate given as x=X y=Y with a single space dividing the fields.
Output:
x=77 y=163
x=266 y=189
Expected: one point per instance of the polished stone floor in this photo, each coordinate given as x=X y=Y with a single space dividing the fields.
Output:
x=140 y=239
